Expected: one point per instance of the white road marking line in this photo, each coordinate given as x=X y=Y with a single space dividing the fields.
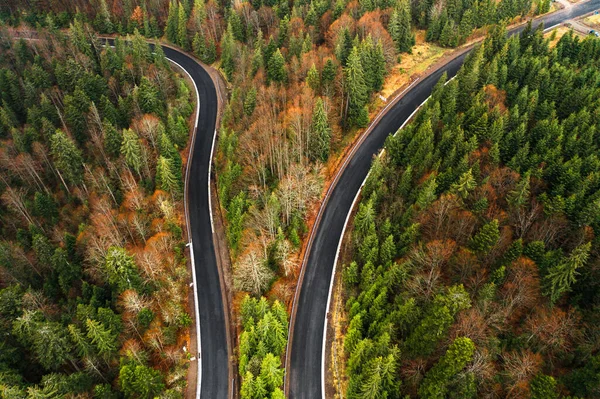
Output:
x=187 y=214
x=212 y=149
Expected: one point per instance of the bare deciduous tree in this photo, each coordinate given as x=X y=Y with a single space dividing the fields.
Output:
x=251 y=273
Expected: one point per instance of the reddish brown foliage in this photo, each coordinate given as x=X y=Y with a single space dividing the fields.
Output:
x=520 y=367
x=137 y=15
x=337 y=27
x=495 y=98
x=117 y=8
x=446 y=219
x=429 y=260
x=551 y=230
x=370 y=25
x=503 y=180
x=521 y=291
x=467 y=269
x=472 y=324
x=412 y=372
x=552 y=329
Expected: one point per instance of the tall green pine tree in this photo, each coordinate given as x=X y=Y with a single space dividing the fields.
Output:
x=357 y=92
x=400 y=27
x=166 y=177
x=227 y=52
x=182 y=38
x=172 y=29
x=562 y=276
x=67 y=157
x=276 y=67
x=131 y=149
x=320 y=137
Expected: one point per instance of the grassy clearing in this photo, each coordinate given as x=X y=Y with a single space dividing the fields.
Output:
x=560 y=31
x=593 y=20
x=423 y=56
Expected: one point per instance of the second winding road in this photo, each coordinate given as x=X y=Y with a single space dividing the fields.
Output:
x=304 y=364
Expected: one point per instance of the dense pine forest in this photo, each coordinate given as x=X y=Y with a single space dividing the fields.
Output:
x=262 y=345
x=93 y=280
x=475 y=263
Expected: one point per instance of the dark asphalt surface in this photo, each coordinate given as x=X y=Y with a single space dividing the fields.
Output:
x=213 y=333
x=304 y=374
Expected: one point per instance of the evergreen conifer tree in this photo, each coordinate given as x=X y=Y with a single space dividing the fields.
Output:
x=357 y=93
x=276 y=67
x=67 y=157
x=562 y=276
x=199 y=45
x=172 y=29
x=227 y=52
x=459 y=353
x=312 y=78
x=400 y=27
x=182 y=38
x=131 y=149
x=320 y=133
x=166 y=177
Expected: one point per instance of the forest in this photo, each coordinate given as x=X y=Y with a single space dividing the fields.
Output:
x=302 y=76
x=93 y=278
x=474 y=262
x=93 y=273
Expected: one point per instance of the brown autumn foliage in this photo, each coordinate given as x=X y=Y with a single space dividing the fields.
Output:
x=445 y=218
x=495 y=260
x=520 y=293
x=80 y=221
x=371 y=24
x=495 y=98
x=520 y=367
x=553 y=330
x=137 y=15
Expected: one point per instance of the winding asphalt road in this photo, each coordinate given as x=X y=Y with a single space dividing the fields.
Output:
x=304 y=374
x=213 y=357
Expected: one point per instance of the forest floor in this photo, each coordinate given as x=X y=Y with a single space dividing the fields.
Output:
x=336 y=382
x=560 y=31
x=225 y=266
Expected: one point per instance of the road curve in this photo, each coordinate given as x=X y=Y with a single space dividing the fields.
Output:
x=304 y=375
x=213 y=353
